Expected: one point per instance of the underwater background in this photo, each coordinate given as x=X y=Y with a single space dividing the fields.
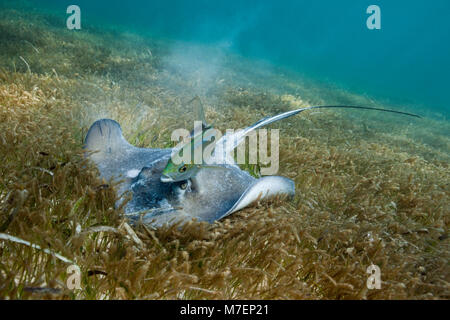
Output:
x=371 y=187
x=407 y=61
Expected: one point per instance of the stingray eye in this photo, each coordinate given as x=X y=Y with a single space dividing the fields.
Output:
x=182 y=169
x=184 y=186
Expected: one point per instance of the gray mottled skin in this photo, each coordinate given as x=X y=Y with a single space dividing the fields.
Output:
x=211 y=195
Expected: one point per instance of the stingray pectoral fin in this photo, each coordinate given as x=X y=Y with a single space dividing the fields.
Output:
x=105 y=138
x=263 y=188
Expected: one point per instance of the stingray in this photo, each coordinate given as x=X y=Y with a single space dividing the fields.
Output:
x=209 y=196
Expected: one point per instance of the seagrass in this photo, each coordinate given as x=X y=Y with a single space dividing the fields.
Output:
x=370 y=188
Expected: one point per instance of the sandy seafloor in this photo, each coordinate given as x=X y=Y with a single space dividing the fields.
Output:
x=371 y=188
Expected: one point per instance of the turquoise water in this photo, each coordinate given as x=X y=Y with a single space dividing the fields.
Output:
x=406 y=61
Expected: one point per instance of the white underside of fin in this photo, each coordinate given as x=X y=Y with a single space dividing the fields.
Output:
x=133 y=173
x=263 y=188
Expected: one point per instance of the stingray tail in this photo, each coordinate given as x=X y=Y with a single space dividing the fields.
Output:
x=239 y=136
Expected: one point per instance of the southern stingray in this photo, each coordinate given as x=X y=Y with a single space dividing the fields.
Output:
x=210 y=195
